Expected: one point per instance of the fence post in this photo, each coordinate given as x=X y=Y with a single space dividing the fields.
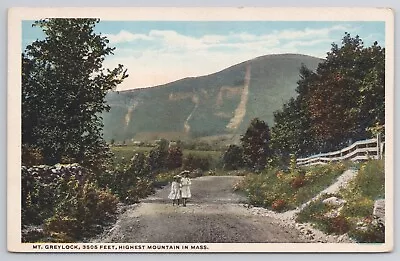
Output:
x=378 y=145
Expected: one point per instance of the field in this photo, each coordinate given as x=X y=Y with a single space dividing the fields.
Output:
x=125 y=153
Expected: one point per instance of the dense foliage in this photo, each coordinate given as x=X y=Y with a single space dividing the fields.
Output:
x=64 y=85
x=233 y=158
x=197 y=162
x=337 y=104
x=66 y=200
x=256 y=145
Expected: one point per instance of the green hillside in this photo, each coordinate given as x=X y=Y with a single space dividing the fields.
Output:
x=215 y=104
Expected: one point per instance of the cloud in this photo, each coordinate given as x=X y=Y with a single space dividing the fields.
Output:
x=293 y=44
x=125 y=36
x=308 y=33
x=174 y=55
x=172 y=40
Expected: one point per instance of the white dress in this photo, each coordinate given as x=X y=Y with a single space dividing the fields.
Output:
x=185 y=187
x=175 y=191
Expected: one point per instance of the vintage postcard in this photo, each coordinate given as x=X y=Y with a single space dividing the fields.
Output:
x=200 y=130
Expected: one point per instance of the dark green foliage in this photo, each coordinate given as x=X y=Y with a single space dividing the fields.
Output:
x=174 y=158
x=67 y=200
x=31 y=156
x=194 y=162
x=158 y=156
x=233 y=158
x=336 y=104
x=291 y=132
x=81 y=208
x=256 y=145
x=132 y=181
x=63 y=91
x=37 y=196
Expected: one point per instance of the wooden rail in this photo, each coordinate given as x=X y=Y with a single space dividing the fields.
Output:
x=358 y=151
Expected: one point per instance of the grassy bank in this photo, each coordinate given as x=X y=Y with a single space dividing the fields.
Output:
x=355 y=216
x=279 y=190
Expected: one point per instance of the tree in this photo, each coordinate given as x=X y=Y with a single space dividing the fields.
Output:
x=233 y=158
x=372 y=90
x=174 y=157
x=291 y=132
x=158 y=156
x=348 y=94
x=64 y=85
x=256 y=144
x=338 y=103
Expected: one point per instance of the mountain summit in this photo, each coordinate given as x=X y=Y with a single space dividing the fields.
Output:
x=221 y=103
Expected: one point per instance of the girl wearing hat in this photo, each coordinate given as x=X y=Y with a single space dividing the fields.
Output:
x=185 y=187
x=175 y=193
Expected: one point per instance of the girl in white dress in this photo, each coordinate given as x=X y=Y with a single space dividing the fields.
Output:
x=175 y=193
x=185 y=187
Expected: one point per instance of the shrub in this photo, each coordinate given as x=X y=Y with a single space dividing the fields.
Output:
x=174 y=158
x=157 y=157
x=315 y=213
x=297 y=182
x=66 y=200
x=295 y=187
x=193 y=162
x=256 y=145
x=338 y=225
x=131 y=182
x=31 y=156
x=278 y=205
x=233 y=158
x=373 y=232
x=80 y=210
x=37 y=196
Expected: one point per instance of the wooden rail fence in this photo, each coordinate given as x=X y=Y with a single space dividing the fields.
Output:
x=358 y=151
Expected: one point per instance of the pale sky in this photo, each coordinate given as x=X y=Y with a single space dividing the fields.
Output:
x=160 y=52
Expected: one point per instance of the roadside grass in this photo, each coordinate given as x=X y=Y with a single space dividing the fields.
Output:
x=280 y=191
x=355 y=217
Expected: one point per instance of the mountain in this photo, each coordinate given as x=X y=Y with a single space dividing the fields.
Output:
x=222 y=103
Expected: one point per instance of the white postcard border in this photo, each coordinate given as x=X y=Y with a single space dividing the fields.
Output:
x=16 y=15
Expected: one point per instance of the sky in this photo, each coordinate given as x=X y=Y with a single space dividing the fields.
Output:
x=158 y=52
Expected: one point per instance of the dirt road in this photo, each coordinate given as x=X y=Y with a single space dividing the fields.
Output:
x=214 y=214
